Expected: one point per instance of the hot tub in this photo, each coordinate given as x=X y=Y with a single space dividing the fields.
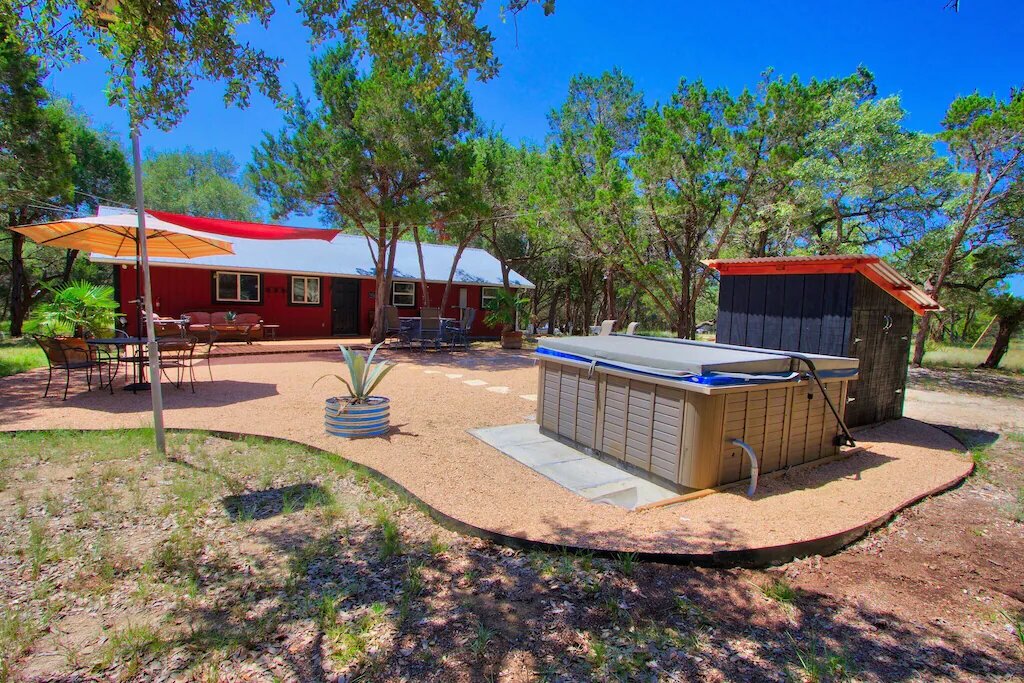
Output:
x=669 y=410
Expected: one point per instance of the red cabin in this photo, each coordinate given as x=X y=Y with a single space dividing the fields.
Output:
x=312 y=288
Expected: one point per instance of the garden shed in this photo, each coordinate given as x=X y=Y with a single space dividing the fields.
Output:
x=844 y=305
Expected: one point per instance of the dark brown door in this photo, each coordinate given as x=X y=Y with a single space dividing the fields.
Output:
x=344 y=306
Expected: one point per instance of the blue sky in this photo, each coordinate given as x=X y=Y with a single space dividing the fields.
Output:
x=916 y=49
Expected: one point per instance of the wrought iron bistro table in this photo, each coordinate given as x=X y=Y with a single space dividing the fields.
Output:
x=138 y=362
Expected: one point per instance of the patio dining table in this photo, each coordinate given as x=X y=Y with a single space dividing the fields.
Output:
x=138 y=369
x=414 y=325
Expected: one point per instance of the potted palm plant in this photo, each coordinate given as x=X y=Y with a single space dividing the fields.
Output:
x=76 y=310
x=360 y=413
x=504 y=311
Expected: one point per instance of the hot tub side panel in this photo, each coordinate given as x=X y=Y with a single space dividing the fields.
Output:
x=682 y=438
x=785 y=426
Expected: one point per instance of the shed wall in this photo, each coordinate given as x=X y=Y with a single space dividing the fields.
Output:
x=840 y=314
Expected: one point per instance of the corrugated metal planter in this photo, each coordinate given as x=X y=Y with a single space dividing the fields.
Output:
x=345 y=419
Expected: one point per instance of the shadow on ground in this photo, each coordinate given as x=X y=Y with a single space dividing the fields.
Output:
x=269 y=503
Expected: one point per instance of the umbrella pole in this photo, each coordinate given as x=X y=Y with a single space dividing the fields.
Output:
x=154 y=353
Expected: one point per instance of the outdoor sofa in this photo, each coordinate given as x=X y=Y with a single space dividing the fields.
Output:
x=247 y=327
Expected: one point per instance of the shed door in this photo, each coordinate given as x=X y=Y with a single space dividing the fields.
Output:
x=344 y=306
x=881 y=341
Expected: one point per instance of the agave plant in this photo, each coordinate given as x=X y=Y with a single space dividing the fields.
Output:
x=364 y=375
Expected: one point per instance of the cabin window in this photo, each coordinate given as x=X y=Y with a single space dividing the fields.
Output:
x=403 y=293
x=305 y=290
x=237 y=287
x=487 y=295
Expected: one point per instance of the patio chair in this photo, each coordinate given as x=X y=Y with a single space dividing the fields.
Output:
x=631 y=328
x=69 y=355
x=175 y=353
x=456 y=334
x=397 y=328
x=184 y=356
x=430 y=327
x=606 y=328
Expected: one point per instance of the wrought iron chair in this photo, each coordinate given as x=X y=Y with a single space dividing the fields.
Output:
x=69 y=355
x=456 y=334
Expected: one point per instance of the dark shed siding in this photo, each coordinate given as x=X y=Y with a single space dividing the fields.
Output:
x=809 y=313
x=839 y=314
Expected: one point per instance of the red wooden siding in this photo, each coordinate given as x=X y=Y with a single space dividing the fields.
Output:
x=180 y=290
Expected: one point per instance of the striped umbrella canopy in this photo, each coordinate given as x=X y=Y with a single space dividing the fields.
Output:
x=117 y=235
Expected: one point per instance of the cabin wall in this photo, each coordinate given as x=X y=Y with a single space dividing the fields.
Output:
x=180 y=290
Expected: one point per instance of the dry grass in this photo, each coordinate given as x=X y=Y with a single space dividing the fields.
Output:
x=959 y=357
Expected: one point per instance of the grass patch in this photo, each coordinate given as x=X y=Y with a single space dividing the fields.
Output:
x=779 y=590
x=958 y=357
x=17 y=632
x=132 y=645
x=980 y=456
x=19 y=355
x=816 y=662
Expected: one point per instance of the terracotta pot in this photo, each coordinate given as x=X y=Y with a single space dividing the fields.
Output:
x=354 y=420
x=511 y=340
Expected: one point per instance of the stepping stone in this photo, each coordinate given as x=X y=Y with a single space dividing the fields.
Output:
x=452 y=375
x=498 y=390
x=475 y=382
x=432 y=372
x=529 y=397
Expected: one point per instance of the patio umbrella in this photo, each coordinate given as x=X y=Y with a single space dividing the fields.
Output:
x=131 y=234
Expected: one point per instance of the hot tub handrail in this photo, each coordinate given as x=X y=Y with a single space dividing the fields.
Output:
x=795 y=355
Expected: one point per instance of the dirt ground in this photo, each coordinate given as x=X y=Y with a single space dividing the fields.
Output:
x=243 y=561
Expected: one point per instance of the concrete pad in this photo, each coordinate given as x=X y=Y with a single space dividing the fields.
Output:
x=475 y=382
x=529 y=397
x=572 y=469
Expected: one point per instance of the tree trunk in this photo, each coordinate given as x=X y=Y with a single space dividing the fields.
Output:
x=18 y=304
x=921 y=338
x=69 y=265
x=1008 y=325
x=552 y=307
x=609 y=294
x=423 y=271
x=451 y=275
x=684 y=329
x=385 y=266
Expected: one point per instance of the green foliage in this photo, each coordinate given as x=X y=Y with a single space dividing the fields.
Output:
x=158 y=51
x=505 y=309
x=198 y=184
x=77 y=308
x=377 y=153
x=20 y=355
x=364 y=376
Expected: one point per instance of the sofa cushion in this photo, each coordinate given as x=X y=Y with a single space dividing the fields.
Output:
x=247 y=319
x=219 y=318
x=198 y=317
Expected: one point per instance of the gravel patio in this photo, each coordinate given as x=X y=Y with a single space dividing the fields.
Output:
x=437 y=397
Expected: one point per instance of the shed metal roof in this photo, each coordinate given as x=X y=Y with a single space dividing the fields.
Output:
x=344 y=256
x=872 y=267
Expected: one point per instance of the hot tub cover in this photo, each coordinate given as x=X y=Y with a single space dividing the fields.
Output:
x=672 y=358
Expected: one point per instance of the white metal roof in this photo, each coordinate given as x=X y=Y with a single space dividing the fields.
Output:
x=345 y=256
